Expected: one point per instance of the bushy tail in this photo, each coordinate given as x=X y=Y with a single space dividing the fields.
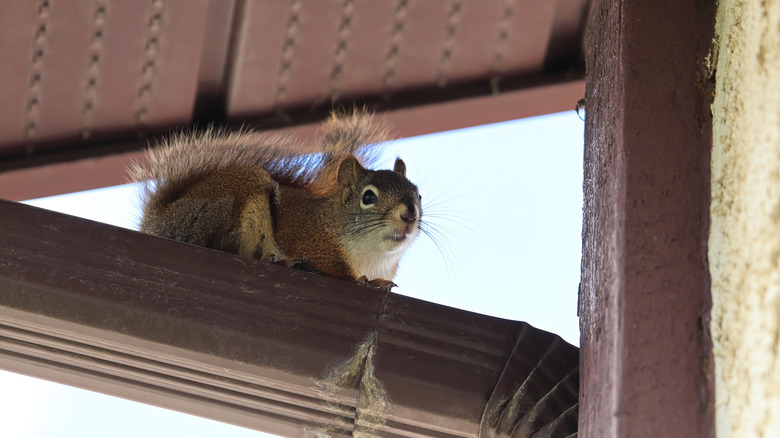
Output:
x=349 y=133
x=356 y=133
x=180 y=160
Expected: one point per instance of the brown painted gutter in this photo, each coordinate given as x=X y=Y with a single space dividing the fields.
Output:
x=263 y=346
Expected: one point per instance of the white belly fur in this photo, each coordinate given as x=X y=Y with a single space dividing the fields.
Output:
x=378 y=260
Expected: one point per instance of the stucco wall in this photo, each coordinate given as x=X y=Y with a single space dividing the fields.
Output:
x=744 y=245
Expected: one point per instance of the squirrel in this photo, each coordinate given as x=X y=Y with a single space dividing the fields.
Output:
x=316 y=207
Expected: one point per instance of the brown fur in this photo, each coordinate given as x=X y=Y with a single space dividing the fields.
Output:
x=272 y=198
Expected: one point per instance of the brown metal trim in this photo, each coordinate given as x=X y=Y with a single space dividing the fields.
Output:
x=70 y=172
x=565 y=48
x=213 y=74
x=264 y=346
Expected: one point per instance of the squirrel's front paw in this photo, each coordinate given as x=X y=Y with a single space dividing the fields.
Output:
x=378 y=283
x=269 y=258
x=284 y=261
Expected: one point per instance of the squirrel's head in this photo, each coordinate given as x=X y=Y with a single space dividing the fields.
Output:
x=383 y=206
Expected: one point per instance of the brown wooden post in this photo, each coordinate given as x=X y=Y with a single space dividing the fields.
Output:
x=645 y=299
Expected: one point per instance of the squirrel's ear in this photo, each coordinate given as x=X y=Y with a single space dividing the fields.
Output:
x=350 y=170
x=400 y=167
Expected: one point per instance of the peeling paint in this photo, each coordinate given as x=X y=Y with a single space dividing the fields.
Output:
x=358 y=373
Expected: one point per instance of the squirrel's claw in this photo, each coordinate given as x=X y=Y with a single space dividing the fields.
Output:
x=378 y=283
x=269 y=258
x=284 y=261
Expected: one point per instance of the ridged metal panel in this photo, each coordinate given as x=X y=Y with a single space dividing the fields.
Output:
x=79 y=68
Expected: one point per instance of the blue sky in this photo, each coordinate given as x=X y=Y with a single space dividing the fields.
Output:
x=507 y=199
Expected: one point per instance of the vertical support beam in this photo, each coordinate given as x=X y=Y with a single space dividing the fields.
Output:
x=645 y=297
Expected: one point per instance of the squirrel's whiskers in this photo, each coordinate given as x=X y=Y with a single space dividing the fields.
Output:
x=444 y=226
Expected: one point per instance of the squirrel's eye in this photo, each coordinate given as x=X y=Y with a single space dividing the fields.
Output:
x=369 y=198
x=419 y=198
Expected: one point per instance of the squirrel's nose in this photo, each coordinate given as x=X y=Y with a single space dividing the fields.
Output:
x=409 y=216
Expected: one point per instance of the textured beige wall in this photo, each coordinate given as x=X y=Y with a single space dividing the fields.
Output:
x=744 y=246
